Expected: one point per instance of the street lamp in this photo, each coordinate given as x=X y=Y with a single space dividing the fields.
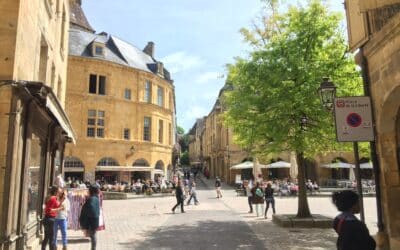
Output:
x=327 y=93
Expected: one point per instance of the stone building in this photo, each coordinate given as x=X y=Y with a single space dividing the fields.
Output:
x=211 y=144
x=122 y=104
x=195 y=143
x=33 y=125
x=374 y=29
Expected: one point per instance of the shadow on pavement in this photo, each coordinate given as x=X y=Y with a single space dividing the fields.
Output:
x=203 y=235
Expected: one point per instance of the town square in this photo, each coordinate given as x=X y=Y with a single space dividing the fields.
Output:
x=215 y=124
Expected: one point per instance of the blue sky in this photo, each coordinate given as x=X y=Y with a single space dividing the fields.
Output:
x=194 y=39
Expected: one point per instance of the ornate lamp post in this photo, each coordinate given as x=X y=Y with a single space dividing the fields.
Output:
x=327 y=93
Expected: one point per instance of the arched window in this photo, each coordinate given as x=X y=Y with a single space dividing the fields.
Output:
x=73 y=162
x=107 y=161
x=160 y=165
x=141 y=162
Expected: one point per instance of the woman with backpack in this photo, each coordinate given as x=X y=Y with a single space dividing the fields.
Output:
x=258 y=198
x=353 y=233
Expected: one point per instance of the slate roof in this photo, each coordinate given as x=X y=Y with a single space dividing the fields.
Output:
x=115 y=50
x=78 y=18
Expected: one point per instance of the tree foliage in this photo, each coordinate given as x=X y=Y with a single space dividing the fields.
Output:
x=277 y=85
x=274 y=105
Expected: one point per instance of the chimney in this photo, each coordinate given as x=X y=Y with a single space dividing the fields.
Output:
x=149 y=49
x=78 y=19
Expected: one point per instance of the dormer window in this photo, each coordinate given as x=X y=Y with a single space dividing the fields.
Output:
x=98 y=49
x=160 y=68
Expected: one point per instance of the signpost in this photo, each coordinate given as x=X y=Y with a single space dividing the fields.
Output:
x=353 y=117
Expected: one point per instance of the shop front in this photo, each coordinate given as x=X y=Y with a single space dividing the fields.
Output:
x=37 y=133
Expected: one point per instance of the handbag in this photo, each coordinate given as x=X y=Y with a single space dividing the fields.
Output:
x=259 y=193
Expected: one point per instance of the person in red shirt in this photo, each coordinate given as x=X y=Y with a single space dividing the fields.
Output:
x=50 y=213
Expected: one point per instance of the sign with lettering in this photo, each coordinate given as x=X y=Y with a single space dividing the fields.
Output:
x=353 y=119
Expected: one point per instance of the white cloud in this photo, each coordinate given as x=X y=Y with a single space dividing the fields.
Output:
x=208 y=76
x=180 y=61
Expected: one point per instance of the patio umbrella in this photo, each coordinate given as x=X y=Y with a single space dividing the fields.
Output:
x=243 y=165
x=338 y=165
x=366 y=165
x=279 y=164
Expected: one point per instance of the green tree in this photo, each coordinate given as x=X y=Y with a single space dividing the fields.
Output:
x=274 y=105
x=185 y=159
x=180 y=130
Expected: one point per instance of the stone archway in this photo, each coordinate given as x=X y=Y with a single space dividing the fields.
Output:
x=141 y=162
x=159 y=165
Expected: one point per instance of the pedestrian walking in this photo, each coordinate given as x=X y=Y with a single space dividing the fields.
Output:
x=269 y=199
x=353 y=233
x=61 y=218
x=218 y=187
x=50 y=213
x=193 y=194
x=179 y=197
x=258 y=198
x=90 y=213
x=249 y=186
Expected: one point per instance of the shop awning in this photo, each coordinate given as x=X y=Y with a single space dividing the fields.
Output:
x=57 y=111
x=124 y=168
x=44 y=94
x=158 y=171
x=74 y=170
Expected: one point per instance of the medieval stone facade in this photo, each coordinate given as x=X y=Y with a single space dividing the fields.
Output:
x=374 y=29
x=33 y=125
x=121 y=103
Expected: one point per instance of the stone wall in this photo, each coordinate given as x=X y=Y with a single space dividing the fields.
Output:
x=383 y=55
x=120 y=113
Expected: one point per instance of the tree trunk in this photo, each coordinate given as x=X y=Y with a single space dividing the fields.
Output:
x=303 y=210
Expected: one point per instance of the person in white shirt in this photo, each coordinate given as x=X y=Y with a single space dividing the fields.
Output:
x=61 y=218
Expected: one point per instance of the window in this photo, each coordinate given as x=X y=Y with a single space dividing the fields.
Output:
x=160 y=96
x=147 y=129
x=98 y=50
x=95 y=123
x=169 y=134
x=97 y=84
x=170 y=101
x=127 y=134
x=128 y=94
x=160 y=131
x=102 y=85
x=147 y=92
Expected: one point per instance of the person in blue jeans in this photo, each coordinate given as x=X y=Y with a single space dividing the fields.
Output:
x=269 y=199
x=193 y=194
x=61 y=218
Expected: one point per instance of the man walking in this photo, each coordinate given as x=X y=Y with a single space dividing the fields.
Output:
x=249 y=186
x=193 y=194
x=218 y=187
x=179 y=197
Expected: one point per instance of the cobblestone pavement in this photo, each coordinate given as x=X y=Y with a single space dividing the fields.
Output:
x=224 y=223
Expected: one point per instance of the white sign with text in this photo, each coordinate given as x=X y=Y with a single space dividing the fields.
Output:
x=353 y=119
